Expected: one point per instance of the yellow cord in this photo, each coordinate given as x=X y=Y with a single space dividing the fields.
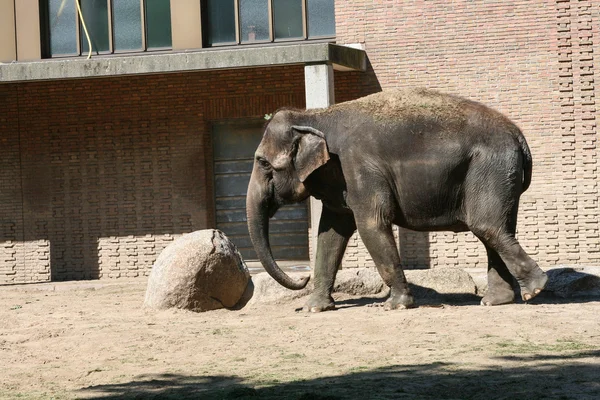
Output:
x=87 y=35
x=61 y=8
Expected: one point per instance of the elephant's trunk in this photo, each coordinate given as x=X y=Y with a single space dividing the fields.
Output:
x=259 y=205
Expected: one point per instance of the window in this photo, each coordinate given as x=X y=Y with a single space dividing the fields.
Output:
x=113 y=26
x=228 y=22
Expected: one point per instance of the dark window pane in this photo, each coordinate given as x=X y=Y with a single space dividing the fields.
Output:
x=221 y=21
x=254 y=20
x=288 y=19
x=321 y=19
x=158 y=23
x=95 y=15
x=63 y=27
x=127 y=24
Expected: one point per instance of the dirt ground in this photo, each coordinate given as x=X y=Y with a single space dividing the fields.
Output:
x=94 y=340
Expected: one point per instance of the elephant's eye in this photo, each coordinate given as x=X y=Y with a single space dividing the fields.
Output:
x=263 y=163
x=294 y=149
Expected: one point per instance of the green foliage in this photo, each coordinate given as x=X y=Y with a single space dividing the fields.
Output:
x=528 y=347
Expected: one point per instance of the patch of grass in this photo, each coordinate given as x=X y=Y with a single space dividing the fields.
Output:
x=561 y=346
x=268 y=380
x=359 y=368
x=572 y=345
x=33 y=396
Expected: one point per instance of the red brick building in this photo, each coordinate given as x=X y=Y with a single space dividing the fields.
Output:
x=108 y=159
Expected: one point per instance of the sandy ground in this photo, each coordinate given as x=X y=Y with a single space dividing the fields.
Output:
x=94 y=340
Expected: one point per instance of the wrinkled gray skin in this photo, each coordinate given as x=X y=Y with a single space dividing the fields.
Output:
x=415 y=158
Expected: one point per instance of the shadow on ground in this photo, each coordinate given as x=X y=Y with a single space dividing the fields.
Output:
x=565 y=376
x=433 y=299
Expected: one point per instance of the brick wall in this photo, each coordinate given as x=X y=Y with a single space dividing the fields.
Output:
x=11 y=205
x=533 y=61
x=112 y=170
x=99 y=175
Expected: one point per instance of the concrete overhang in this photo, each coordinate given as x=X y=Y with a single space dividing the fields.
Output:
x=342 y=58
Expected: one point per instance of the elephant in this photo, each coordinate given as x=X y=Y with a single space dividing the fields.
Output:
x=416 y=158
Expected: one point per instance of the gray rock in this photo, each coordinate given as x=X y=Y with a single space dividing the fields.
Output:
x=267 y=290
x=447 y=283
x=199 y=271
x=425 y=284
x=359 y=282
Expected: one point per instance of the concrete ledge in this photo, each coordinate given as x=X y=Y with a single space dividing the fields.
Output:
x=342 y=58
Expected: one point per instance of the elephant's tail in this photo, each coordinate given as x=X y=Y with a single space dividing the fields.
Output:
x=527 y=161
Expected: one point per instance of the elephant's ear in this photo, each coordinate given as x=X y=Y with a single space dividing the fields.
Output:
x=311 y=152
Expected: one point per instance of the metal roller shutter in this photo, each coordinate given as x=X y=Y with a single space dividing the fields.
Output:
x=234 y=146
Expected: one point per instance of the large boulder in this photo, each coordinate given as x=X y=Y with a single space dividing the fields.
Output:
x=199 y=271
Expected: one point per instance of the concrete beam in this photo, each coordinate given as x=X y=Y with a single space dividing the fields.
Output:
x=341 y=57
x=27 y=23
x=186 y=24
x=8 y=41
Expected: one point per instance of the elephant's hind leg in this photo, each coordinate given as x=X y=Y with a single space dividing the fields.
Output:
x=499 y=290
x=335 y=231
x=492 y=206
x=531 y=278
x=500 y=281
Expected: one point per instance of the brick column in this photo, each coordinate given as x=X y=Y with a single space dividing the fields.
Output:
x=318 y=82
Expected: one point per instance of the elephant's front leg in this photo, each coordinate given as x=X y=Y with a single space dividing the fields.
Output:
x=378 y=237
x=334 y=232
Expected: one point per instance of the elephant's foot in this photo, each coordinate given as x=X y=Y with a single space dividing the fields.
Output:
x=496 y=297
x=533 y=284
x=318 y=303
x=399 y=302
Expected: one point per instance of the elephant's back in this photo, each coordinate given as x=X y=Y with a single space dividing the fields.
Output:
x=425 y=110
x=418 y=122
x=406 y=104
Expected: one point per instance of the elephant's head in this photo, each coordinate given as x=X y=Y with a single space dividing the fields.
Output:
x=286 y=156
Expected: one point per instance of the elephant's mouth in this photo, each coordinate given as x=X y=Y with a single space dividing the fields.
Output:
x=296 y=195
